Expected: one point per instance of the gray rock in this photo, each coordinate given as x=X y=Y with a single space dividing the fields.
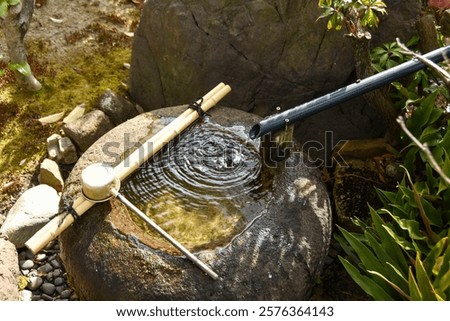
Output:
x=34 y=283
x=278 y=257
x=52 y=146
x=59 y=281
x=36 y=297
x=51 y=175
x=57 y=272
x=26 y=295
x=46 y=268
x=26 y=265
x=117 y=108
x=67 y=151
x=55 y=263
x=9 y=271
x=272 y=53
x=49 y=276
x=34 y=208
x=87 y=129
x=66 y=294
x=46 y=297
x=40 y=257
x=48 y=288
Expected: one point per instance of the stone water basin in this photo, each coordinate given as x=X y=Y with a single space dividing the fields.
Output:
x=264 y=231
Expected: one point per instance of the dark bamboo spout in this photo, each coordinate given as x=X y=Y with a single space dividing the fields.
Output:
x=278 y=121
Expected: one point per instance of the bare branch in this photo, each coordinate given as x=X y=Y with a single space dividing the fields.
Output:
x=441 y=71
x=425 y=149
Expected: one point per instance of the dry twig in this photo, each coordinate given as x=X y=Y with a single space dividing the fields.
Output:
x=441 y=71
x=425 y=149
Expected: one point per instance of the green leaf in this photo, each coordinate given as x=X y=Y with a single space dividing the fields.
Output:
x=393 y=272
x=367 y=284
x=3 y=9
x=13 y=2
x=444 y=282
x=392 y=284
x=412 y=226
x=2 y=72
x=424 y=282
x=388 y=243
x=21 y=67
x=368 y=259
x=432 y=256
x=404 y=244
x=414 y=290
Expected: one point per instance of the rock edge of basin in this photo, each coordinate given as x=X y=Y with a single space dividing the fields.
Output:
x=278 y=257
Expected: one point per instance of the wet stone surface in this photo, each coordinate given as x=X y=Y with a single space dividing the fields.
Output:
x=277 y=256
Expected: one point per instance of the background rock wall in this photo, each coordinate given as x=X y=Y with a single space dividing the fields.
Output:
x=271 y=52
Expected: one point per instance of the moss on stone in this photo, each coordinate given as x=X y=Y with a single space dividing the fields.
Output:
x=81 y=79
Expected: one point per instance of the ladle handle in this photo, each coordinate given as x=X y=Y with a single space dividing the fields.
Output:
x=166 y=235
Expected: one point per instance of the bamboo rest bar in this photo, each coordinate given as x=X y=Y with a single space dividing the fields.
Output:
x=62 y=221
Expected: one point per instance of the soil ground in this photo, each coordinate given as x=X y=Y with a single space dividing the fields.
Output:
x=77 y=49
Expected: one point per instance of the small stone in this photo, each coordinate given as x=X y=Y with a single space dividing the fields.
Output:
x=36 y=297
x=34 y=208
x=48 y=288
x=40 y=257
x=66 y=294
x=26 y=295
x=59 y=281
x=117 y=108
x=55 y=264
x=52 y=146
x=22 y=256
x=34 y=283
x=49 y=276
x=67 y=151
x=46 y=297
x=56 y=246
x=51 y=175
x=26 y=265
x=86 y=130
x=57 y=273
x=46 y=268
x=60 y=289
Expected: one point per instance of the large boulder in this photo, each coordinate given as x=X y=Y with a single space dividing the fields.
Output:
x=276 y=256
x=270 y=52
x=9 y=271
x=34 y=208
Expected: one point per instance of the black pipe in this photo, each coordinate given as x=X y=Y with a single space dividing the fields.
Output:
x=341 y=95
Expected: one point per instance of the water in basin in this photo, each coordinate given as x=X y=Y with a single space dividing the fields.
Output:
x=203 y=188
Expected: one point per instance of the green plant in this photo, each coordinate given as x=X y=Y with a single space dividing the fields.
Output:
x=5 y=4
x=354 y=14
x=404 y=252
x=389 y=55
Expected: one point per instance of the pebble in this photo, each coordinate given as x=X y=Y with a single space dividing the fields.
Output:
x=48 y=288
x=57 y=272
x=66 y=294
x=46 y=297
x=46 y=276
x=34 y=283
x=26 y=265
x=26 y=295
x=58 y=281
x=35 y=297
x=45 y=268
x=40 y=257
x=55 y=264
x=49 y=276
